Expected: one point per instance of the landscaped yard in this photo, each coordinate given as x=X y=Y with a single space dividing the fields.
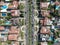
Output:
x=21 y=6
x=0 y=43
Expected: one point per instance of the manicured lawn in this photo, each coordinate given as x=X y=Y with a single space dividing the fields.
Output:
x=50 y=43
x=0 y=43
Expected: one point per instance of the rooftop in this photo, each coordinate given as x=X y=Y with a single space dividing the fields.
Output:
x=12 y=37
x=2 y=28
x=15 y=12
x=44 y=30
x=14 y=30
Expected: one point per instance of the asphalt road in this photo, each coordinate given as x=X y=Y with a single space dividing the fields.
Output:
x=29 y=23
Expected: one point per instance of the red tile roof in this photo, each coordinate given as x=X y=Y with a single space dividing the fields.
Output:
x=44 y=30
x=14 y=12
x=1 y=3
x=14 y=5
x=45 y=13
x=14 y=30
x=2 y=28
x=44 y=5
x=13 y=37
x=57 y=3
x=10 y=6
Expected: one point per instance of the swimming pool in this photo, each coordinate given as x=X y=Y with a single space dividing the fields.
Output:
x=3 y=14
x=4 y=7
x=7 y=22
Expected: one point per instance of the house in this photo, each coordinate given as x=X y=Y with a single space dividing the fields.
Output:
x=45 y=13
x=13 y=27
x=14 y=31
x=13 y=5
x=15 y=21
x=44 y=30
x=44 y=4
x=13 y=37
x=2 y=28
x=1 y=3
x=15 y=12
x=3 y=37
x=5 y=31
x=47 y=21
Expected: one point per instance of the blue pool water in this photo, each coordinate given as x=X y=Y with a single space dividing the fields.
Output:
x=4 y=7
x=3 y=14
x=57 y=7
x=7 y=22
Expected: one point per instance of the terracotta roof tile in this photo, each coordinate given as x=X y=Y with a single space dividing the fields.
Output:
x=15 y=12
x=12 y=37
x=14 y=30
x=2 y=28
x=44 y=30
x=44 y=5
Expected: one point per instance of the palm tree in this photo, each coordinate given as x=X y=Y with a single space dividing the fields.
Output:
x=21 y=6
